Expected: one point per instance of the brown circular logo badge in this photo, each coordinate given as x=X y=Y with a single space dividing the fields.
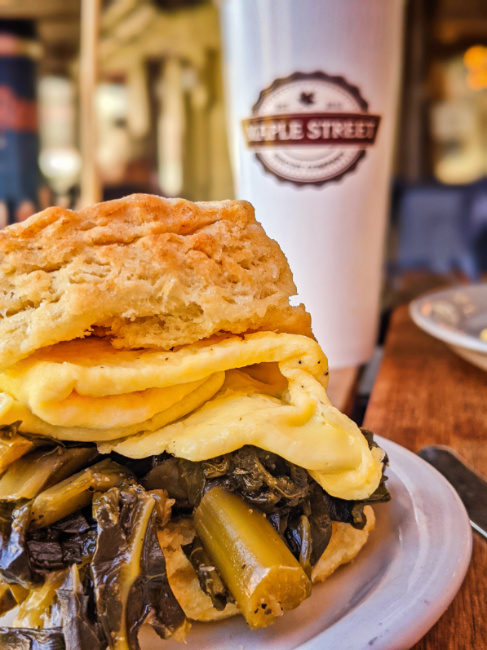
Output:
x=310 y=128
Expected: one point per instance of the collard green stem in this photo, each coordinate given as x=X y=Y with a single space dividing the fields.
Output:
x=257 y=567
x=76 y=492
x=12 y=445
x=31 y=474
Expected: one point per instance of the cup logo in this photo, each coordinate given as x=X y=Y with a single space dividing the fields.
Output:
x=310 y=128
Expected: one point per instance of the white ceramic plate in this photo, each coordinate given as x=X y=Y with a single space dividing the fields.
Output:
x=389 y=597
x=456 y=316
x=397 y=588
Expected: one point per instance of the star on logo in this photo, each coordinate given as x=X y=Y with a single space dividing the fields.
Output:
x=307 y=98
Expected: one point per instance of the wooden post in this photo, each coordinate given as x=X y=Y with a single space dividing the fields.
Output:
x=89 y=180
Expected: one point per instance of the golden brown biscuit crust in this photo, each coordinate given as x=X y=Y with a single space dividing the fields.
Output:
x=345 y=543
x=143 y=270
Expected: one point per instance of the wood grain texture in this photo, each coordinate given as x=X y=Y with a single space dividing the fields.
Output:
x=341 y=387
x=424 y=394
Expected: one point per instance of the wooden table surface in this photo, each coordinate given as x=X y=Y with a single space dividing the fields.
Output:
x=341 y=387
x=424 y=394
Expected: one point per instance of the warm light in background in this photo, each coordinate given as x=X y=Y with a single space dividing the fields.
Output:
x=458 y=117
x=475 y=58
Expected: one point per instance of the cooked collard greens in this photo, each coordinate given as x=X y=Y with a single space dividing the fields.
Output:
x=79 y=551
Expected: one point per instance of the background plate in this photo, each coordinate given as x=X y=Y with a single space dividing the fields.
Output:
x=456 y=316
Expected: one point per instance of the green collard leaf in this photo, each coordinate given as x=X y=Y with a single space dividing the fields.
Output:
x=128 y=567
x=26 y=639
x=80 y=625
x=69 y=541
x=283 y=491
x=15 y=565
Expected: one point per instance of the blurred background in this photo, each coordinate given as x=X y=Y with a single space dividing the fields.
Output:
x=158 y=120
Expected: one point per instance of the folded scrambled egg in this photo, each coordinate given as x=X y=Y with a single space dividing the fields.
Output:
x=196 y=402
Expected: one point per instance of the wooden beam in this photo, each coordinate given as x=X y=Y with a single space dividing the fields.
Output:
x=89 y=181
x=34 y=9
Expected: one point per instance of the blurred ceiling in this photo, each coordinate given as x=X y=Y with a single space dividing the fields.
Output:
x=460 y=20
x=58 y=26
x=39 y=8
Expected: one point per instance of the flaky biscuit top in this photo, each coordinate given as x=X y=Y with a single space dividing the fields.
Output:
x=145 y=271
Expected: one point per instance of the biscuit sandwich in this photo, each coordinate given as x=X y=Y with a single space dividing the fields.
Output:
x=168 y=449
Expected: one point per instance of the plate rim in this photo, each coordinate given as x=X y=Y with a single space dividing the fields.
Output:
x=400 y=634
x=455 y=338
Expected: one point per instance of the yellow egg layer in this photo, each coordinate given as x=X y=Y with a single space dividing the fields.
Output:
x=203 y=400
x=13 y=411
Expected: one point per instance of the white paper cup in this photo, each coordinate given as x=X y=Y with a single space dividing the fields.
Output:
x=312 y=89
